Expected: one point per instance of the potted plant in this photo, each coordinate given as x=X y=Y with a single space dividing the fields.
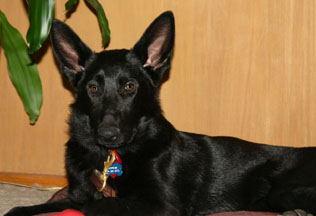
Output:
x=22 y=69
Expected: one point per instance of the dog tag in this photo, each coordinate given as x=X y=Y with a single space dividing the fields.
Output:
x=103 y=176
x=115 y=170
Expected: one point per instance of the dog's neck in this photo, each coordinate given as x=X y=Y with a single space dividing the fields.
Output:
x=146 y=136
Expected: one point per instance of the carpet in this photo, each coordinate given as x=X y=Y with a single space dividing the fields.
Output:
x=13 y=195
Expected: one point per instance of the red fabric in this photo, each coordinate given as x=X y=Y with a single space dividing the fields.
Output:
x=68 y=212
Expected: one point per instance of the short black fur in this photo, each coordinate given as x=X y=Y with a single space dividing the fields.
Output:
x=165 y=171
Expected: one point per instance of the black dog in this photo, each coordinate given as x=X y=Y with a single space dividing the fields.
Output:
x=164 y=171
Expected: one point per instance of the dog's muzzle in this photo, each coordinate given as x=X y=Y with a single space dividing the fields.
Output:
x=109 y=134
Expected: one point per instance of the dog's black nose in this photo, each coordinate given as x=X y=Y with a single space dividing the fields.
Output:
x=110 y=134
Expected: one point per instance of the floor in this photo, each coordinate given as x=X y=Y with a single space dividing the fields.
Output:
x=13 y=195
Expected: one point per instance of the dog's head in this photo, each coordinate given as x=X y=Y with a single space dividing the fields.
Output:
x=116 y=90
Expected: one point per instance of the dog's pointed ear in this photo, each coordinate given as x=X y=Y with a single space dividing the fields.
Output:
x=154 y=49
x=71 y=53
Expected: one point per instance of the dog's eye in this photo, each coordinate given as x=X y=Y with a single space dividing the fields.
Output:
x=94 y=89
x=129 y=87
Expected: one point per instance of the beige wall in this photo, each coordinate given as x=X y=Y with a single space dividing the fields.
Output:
x=243 y=68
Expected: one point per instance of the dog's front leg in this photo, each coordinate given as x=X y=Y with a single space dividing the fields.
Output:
x=55 y=206
x=124 y=207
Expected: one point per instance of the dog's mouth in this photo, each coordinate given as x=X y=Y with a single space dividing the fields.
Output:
x=115 y=143
x=118 y=141
x=114 y=137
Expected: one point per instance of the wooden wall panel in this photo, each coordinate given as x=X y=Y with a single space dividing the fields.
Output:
x=244 y=68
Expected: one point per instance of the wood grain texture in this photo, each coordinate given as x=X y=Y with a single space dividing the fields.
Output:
x=243 y=68
x=34 y=179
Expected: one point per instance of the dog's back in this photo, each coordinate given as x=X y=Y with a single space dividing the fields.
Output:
x=229 y=174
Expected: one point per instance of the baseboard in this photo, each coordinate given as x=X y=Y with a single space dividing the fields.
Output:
x=32 y=179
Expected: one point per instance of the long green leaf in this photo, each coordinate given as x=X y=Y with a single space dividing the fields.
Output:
x=41 y=14
x=103 y=22
x=70 y=3
x=23 y=72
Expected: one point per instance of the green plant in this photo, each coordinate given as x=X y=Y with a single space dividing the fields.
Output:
x=22 y=70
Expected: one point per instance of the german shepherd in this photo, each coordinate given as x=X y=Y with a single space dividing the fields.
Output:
x=118 y=133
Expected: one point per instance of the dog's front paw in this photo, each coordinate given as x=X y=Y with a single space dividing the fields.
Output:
x=296 y=212
x=18 y=211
